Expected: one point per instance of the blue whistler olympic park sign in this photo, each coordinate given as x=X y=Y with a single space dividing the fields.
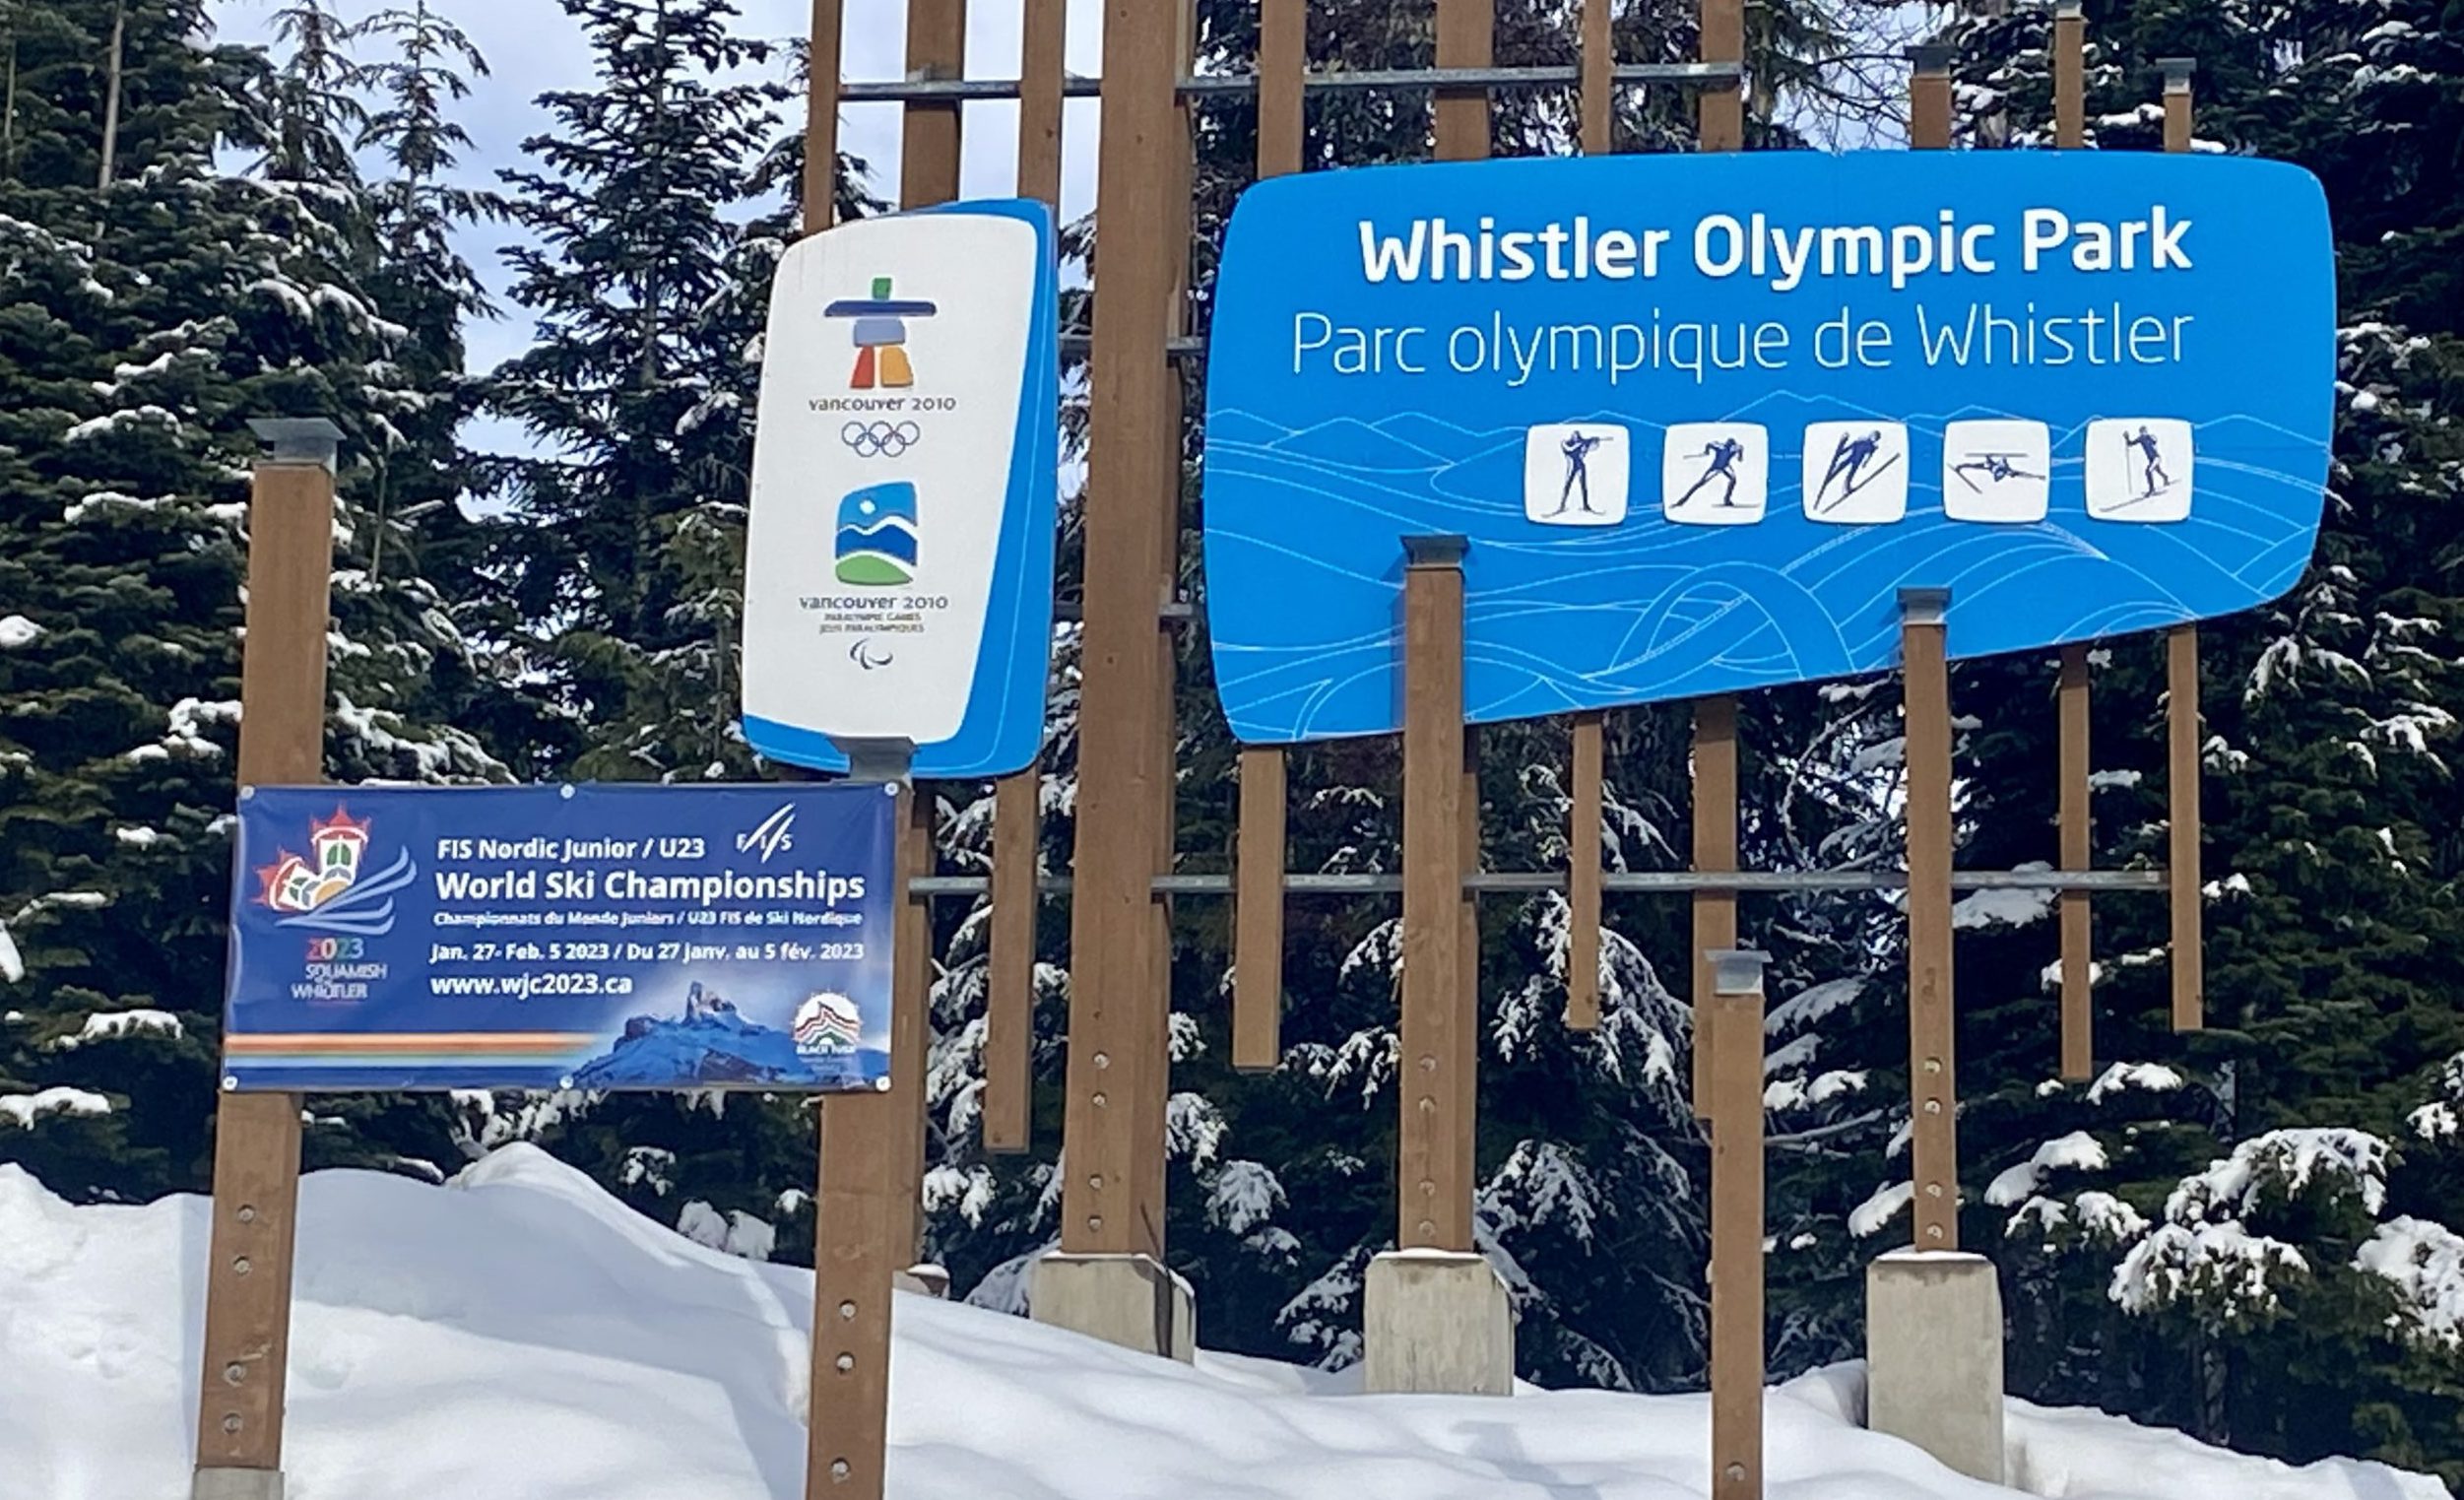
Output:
x=583 y=937
x=1700 y=417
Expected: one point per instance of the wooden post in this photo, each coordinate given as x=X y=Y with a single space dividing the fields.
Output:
x=1258 y=914
x=1929 y=97
x=1010 y=965
x=2181 y=708
x=2076 y=818
x=1261 y=853
x=1440 y=1039
x=1017 y=811
x=2077 y=850
x=1737 y=1275
x=1721 y=125
x=1714 y=849
x=1932 y=1092
x=1466 y=37
x=866 y=1211
x=1582 y=879
x=822 y=116
x=1599 y=79
x=1112 y=1200
x=246 y=1351
x=1583 y=821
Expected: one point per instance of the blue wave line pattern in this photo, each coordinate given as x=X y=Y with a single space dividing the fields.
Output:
x=1313 y=478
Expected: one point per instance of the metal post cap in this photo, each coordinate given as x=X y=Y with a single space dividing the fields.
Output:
x=299 y=439
x=1736 y=970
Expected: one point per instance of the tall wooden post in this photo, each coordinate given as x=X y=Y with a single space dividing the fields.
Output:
x=1441 y=1037
x=1017 y=811
x=2075 y=821
x=1583 y=821
x=1720 y=117
x=1737 y=1275
x=1933 y=1094
x=2181 y=708
x=1465 y=38
x=256 y=1135
x=867 y=1212
x=867 y=1209
x=1259 y=859
x=1112 y=1200
x=821 y=185
x=1932 y=1023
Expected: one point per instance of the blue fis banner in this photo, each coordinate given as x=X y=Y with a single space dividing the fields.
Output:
x=584 y=936
x=1702 y=418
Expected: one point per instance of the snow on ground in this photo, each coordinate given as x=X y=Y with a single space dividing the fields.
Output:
x=518 y=1335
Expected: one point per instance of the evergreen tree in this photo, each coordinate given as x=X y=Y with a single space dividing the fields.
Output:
x=2238 y=1232
x=147 y=320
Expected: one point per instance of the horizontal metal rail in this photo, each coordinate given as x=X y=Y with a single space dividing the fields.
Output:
x=917 y=91
x=1180 y=347
x=1505 y=882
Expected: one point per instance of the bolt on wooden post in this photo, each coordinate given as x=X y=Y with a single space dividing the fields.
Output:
x=256 y=1135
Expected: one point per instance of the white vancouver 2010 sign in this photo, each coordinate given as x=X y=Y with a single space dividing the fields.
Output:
x=899 y=556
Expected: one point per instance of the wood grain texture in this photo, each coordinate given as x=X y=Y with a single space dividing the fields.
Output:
x=1465 y=38
x=1736 y=1254
x=2181 y=743
x=247 y=1345
x=1042 y=59
x=1721 y=109
x=868 y=1207
x=1931 y=1021
x=1282 y=64
x=1582 y=877
x=1119 y=1009
x=1258 y=914
x=1600 y=88
x=820 y=181
x=1435 y=1199
x=1009 y=964
x=2077 y=828
x=1714 y=849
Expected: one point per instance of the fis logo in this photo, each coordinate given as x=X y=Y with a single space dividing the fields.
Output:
x=776 y=833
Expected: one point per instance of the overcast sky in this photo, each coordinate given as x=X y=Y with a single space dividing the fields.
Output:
x=532 y=46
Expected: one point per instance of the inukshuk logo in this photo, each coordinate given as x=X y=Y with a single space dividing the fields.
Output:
x=325 y=888
x=881 y=335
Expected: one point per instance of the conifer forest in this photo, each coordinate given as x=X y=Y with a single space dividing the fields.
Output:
x=2254 y=1233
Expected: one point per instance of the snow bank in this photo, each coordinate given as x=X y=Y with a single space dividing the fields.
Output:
x=519 y=1335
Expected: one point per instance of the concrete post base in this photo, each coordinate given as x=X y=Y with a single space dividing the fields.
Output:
x=1438 y=1323
x=1933 y=1356
x=237 y=1484
x=1126 y=1299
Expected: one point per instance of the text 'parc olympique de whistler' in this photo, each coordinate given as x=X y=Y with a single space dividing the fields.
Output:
x=1783 y=257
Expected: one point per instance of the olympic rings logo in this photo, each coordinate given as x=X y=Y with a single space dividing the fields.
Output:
x=879 y=439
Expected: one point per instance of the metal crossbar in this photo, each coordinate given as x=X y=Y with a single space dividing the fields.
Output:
x=1504 y=881
x=905 y=91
